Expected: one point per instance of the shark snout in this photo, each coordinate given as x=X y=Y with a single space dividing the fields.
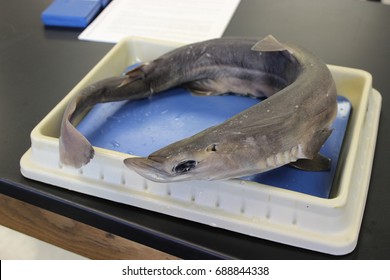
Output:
x=141 y=163
x=149 y=168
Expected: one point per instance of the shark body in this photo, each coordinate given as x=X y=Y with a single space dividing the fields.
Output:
x=289 y=127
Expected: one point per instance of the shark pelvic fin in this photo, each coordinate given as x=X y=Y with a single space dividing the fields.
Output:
x=132 y=75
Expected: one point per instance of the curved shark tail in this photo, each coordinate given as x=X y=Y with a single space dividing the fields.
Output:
x=75 y=149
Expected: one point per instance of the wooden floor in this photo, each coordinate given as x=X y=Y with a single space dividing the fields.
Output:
x=18 y=246
x=69 y=234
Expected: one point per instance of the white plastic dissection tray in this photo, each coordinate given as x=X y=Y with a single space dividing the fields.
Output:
x=329 y=225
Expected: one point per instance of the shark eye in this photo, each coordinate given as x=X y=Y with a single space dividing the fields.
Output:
x=184 y=166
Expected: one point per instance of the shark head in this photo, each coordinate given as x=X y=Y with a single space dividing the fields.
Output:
x=185 y=160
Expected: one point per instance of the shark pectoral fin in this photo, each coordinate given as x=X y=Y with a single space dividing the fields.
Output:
x=313 y=161
x=269 y=44
x=318 y=163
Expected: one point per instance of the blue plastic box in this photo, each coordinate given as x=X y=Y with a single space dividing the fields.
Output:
x=72 y=13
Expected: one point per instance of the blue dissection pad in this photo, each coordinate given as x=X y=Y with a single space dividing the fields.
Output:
x=71 y=13
x=144 y=126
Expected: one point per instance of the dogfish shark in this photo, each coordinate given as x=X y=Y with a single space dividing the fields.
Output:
x=288 y=127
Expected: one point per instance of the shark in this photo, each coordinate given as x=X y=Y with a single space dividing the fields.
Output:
x=288 y=127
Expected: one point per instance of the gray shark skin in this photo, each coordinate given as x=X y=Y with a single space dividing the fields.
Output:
x=290 y=126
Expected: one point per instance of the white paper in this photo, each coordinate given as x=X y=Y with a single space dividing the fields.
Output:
x=185 y=21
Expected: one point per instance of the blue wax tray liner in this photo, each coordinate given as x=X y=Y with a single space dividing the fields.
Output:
x=72 y=13
x=144 y=126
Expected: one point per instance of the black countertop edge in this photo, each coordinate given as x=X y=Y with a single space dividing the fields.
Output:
x=106 y=222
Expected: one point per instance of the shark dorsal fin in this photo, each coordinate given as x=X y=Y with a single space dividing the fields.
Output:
x=269 y=44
